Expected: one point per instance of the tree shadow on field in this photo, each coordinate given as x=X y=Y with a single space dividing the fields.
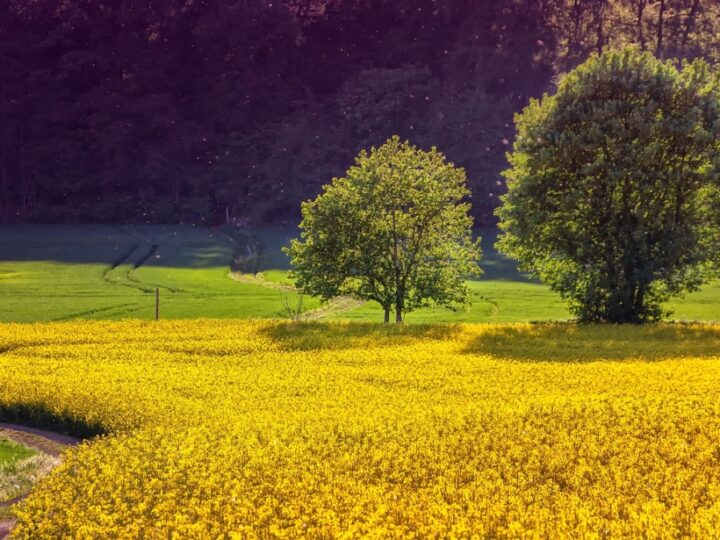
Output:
x=567 y=342
x=308 y=336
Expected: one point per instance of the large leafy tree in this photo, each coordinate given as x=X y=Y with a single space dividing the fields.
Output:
x=395 y=230
x=613 y=187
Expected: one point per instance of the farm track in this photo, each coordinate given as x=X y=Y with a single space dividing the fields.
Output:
x=122 y=258
x=338 y=304
x=127 y=269
x=255 y=280
x=132 y=307
x=495 y=309
x=45 y=442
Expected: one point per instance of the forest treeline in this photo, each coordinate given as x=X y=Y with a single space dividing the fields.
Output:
x=192 y=110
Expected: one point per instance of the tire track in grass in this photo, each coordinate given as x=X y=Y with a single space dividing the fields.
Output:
x=144 y=258
x=118 y=263
x=122 y=271
x=142 y=284
x=127 y=276
x=81 y=314
x=494 y=305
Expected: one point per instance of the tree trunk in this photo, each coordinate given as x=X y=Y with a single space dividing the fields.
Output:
x=689 y=25
x=641 y=34
x=387 y=315
x=22 y=170
x=660 y=28
x=4 y=197
x=599 y=29
x=639 y=302
x=399 y=307
x=4 y=202
x=574 y=37
x=620 y=309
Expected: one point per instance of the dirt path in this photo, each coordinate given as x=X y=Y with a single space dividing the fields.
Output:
x=336 y=305
x=254 y=279
x=47 y=442
x=43 y=441
x=6 y=527
x=339 y=304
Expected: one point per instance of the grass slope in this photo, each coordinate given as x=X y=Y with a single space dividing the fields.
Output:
x=104 y=272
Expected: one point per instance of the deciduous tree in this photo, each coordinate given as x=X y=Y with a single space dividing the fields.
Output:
x=395 y=230
x=613 y=187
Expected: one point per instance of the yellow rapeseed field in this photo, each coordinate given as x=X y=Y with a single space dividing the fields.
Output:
x=267 y=429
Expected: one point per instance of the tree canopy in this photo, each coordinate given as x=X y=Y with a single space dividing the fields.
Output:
x=176 y=110
x=395 y=229
x=614 y=190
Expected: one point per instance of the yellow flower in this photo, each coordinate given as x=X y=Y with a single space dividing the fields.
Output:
x=260 y=429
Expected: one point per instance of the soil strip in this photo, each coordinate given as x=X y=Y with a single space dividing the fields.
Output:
x=43 y=441
x=47 y=442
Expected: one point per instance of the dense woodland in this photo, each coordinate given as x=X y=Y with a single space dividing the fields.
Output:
x=191 y=110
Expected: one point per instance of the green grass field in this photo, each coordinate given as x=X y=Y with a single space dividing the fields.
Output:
x=101 y=272
x=11 y=451
x=111 y=272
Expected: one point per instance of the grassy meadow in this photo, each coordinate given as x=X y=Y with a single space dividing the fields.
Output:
x=268 y=429
x=55 y=273
x=11 y=452
x=105 y=272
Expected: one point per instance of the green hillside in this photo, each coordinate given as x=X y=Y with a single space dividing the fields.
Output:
x=111 y=272
x=101 y=272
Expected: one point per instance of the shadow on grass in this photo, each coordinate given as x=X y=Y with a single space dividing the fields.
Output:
x=308 y=336
x=567 y=342
x=38 y=416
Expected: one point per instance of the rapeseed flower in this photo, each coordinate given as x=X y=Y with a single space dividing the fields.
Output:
x=260 y=429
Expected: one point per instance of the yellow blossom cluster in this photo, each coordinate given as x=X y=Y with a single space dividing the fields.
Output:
x=262 y=429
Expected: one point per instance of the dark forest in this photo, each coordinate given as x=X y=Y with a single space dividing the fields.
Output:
x=200 y=110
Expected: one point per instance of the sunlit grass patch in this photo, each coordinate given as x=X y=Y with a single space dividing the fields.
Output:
x=11 y=452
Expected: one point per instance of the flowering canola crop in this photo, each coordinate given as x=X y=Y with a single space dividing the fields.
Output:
x=261 y=429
